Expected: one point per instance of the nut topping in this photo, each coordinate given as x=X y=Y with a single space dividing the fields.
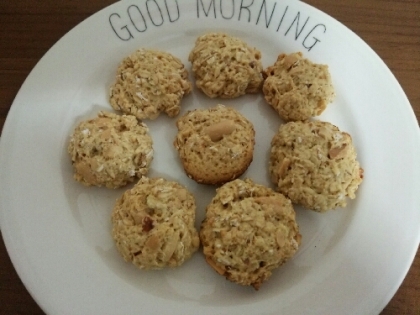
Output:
x=338 y=152
x=217 y=131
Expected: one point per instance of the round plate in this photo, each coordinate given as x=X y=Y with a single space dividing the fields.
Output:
x=57 y=231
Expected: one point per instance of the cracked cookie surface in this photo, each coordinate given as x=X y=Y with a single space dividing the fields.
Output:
x=297 y=88
x=153 y=224
x=149 y=82
x=110 y=150
x=249 y=230
x=314 y=164
x=225 y=66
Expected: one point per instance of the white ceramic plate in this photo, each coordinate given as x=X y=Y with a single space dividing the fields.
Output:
x=58 y=232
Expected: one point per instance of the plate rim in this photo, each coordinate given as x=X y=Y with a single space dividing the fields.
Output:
x=6 y=131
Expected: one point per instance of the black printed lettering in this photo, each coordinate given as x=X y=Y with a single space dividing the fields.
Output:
x=206 y=13
x=150 y=13
x=154 y=13
x=297 y=31
x=314 y=39
x=267 y=21
x=222 y=8
x=169 y=13
x=125 y=33
x=281 y=21
x=245 y=7
x=134 y=11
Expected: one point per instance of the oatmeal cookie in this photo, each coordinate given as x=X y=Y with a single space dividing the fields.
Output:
x=149 y=82
x=314 y=164
x=215 y=145
x=249 y=230
x=110 y=150
x=297 y=88
x=153 y=224
x=225 y=66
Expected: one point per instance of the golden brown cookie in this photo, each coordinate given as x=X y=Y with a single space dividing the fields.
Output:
x=225 y=66
x=249 y=230
x=215 y=145
x=314 y=164
x=110 y=150
x=297 y=88
x=149 y=82
x=153 y=224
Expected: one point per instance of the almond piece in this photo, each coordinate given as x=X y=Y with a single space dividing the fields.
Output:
x=290 y=60
x=153 y=242
x=281 y=238
x=338 y=152
x=283 y=167
x=217 y=131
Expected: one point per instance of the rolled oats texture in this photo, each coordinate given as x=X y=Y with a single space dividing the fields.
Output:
x=297 y=88
x=110 y=150
x=249 y=230
x=225 y=66
x=315 y=165
x=149 y=82
x=153 y=224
